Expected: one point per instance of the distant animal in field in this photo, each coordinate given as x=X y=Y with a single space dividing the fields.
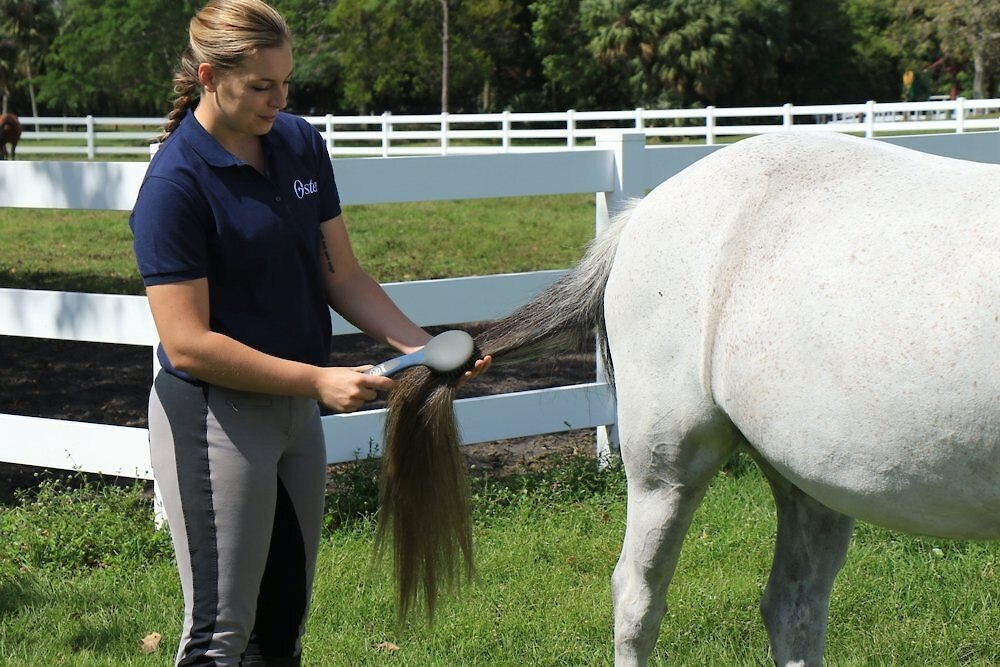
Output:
x=829 y=304
x=10 y=133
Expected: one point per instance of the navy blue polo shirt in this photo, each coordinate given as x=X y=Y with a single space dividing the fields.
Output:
x=203 y=213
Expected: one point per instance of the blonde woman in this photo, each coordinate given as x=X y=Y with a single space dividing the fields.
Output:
x=242 y=247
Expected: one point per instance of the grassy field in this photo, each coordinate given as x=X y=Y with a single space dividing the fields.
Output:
x=84 y=575
x=91 y=251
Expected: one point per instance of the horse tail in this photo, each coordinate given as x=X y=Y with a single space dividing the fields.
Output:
x=424 y=498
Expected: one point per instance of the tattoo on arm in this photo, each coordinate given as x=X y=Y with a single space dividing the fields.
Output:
x=326 y=253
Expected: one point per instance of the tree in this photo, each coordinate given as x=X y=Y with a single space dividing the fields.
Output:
x=685 y=52
x=968 y=33
x=116 y=56
x=877 y=59
x=29 y=26
x=719 y=52
x=316 y=79
x=391 y=51
x=8 y=78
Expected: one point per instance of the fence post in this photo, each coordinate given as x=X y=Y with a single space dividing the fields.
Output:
x=628 y=149
x=159 y=514
x=505 y=131
x=386 y=128
x=329 y=134
x=571 y=128
x=444 y=133
x=960 y=112
x=640 y=120
x=787 y=118
x=91 y=139
x=870 y=119
x=710 y=125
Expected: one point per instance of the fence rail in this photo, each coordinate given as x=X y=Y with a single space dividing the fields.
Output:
x=386 y=134
x=619 y=167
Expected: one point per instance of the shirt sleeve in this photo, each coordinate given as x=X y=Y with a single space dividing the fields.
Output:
x=169 y=235
x=329 y=194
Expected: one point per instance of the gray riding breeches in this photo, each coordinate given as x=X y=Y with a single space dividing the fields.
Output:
x=242 y=478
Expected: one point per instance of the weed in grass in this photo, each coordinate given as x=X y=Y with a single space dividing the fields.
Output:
x=352 y=492
x=563 y=479
x=69 y=525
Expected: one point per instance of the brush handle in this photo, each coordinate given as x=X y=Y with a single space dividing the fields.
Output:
x=391 y=366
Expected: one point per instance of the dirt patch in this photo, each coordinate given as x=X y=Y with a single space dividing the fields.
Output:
x=109 y=384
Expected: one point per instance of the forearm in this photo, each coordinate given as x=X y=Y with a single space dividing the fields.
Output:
x=361 y=301
x=218 y=359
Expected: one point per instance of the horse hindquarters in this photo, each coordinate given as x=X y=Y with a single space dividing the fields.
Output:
x=673 y=438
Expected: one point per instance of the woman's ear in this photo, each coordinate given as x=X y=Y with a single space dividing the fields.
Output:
x=206 y=77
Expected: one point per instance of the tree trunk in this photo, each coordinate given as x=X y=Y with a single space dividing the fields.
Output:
x=978 y=73
x=445 y=36
x=31 y=87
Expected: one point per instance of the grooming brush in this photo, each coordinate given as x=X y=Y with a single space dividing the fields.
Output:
x=444 y=353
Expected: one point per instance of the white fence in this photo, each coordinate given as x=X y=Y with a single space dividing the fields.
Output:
x=388 y=135
x=620 y=166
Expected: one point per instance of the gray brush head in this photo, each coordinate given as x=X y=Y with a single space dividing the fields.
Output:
x=448 y=351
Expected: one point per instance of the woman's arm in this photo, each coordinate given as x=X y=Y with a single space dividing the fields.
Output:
x=358 y=297
x=361 y=300
x=181 y=314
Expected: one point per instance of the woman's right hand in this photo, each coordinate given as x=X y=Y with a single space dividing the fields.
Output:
x=347 y=389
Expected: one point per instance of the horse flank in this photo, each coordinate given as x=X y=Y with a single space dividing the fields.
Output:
x=424 y=499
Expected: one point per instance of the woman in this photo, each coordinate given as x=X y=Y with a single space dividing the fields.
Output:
x=241 y=243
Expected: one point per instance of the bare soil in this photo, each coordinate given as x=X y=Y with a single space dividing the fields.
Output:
x=109 y=384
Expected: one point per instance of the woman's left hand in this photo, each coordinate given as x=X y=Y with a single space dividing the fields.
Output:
x=480 y=367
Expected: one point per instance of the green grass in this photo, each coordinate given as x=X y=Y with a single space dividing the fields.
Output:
x=91 y=251
x=546 y=545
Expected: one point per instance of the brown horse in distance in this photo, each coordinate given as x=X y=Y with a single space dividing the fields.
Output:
x=10 y=133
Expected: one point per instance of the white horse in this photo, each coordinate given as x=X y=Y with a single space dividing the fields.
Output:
x=831 y=304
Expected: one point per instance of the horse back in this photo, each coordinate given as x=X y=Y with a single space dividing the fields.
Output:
x=838 y=299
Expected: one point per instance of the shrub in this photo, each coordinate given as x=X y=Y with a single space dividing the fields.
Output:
x=61 y=525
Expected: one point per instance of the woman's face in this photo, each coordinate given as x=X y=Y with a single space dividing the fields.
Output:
x=246 y=101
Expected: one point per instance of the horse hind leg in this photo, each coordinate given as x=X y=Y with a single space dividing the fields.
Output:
x=810 y=549
x=668 y=474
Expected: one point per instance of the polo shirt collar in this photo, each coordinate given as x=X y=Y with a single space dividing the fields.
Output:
x=208 y=147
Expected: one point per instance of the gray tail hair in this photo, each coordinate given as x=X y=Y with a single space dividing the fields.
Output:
x=425 y=512
x=563 y=317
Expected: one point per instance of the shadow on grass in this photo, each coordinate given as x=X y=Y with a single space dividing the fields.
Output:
x=18 y=591
x=61 y=281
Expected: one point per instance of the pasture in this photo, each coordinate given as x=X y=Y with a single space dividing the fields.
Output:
x=84 y=576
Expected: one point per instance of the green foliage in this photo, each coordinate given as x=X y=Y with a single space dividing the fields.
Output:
x=65 y=526
x=392 y=59
x=352 y=492
x=117 y=56
x=562 y=479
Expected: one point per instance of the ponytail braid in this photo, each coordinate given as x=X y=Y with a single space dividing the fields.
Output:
x=185 y=88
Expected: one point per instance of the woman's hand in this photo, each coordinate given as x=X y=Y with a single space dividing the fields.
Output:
x=480 y=367
x=347 y=389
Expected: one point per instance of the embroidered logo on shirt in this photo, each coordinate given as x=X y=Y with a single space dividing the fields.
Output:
x=303 y=189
